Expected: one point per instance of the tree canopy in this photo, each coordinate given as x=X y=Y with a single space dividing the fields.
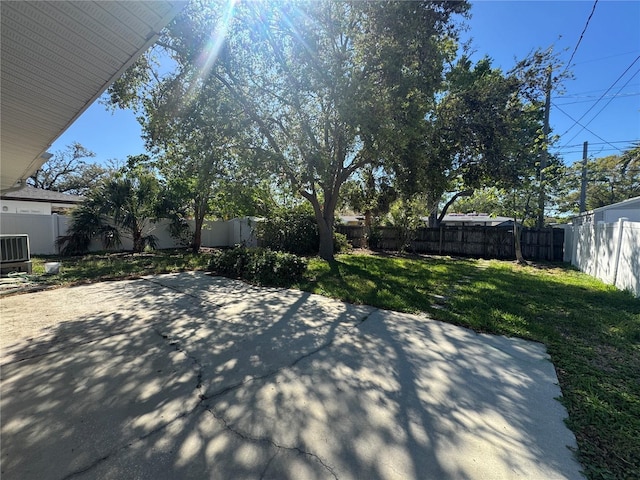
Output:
x=486 y=129
x=69 y=172
x=315 y=91
x=312 y=96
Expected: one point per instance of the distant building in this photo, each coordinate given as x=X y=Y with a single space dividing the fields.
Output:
x=352 y=220
x=450 y=219
x=475 y=220
x=37 y=201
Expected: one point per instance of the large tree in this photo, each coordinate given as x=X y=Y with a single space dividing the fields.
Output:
x=486 y=129
x=68 y=171
x=328 y=87
x=197 y=135
x=466 y=136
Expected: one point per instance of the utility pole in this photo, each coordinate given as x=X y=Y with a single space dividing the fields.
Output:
x=583 y=185
x=544 y=155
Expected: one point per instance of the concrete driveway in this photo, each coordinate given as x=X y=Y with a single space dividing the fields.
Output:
x=192 y=376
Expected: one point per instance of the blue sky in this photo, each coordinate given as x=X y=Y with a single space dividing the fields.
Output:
x=504 y=31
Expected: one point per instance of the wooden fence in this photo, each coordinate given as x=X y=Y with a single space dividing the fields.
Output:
x=481 y=242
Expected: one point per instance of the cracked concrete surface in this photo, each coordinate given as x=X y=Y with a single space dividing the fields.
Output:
x=192 y=376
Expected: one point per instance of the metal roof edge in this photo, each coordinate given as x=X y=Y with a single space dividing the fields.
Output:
x=178 y=5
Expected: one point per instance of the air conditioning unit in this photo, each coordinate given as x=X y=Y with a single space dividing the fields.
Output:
x=14 y=253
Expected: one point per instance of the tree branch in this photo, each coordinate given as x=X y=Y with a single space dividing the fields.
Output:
x=464 y=193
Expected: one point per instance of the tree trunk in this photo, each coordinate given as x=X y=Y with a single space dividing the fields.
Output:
x=138 y=243
x=326 y=241
x=324 y=218
x=200 y=210
x=197 y=233
x=325 y=229
x=368 y=221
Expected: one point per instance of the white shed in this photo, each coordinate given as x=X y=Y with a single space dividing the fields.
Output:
x=629 y=209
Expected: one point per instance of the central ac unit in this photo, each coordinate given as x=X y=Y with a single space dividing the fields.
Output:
x=14 y=253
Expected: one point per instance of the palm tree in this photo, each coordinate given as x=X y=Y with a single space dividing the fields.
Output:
x=126 y=204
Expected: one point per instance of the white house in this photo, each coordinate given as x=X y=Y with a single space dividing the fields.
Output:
x=37 y=201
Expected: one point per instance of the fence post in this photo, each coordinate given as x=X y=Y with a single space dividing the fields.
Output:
x=55 y=232
x=567 y=241
x=616 y=262
x=600 y=230
x=485 y=241
x=440 y=244
x=577 y=232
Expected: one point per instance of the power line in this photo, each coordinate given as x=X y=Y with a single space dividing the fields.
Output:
x=580 y=151
x=601 y=97
x=584 y=128
x=598 y=143
x=605 y=106
x=618 y=95
x=582 y=94
x=581 y=35
x=607 y=57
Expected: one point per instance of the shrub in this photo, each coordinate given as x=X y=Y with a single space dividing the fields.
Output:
x=375 y=238
x=294 y=231
x=87 y=223
x=260 y=266
x=341 y=243
x=230 y=263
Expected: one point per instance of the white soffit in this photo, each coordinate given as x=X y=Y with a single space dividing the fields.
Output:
x=56 y=59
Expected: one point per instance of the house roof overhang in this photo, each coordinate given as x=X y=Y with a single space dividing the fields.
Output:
x=32 y=194
x=57 y=58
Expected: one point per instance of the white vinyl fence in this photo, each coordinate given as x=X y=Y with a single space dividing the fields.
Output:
x=44 y=230
x=608 y=251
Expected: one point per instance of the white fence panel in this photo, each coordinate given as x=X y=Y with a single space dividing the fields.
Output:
x=215 y=233
x=40 y=229
x=160 y=230
x=583 y=247
x=609 y=252
x=243 y=232
x=628 y=273
x=605 y=251
x=44 y=230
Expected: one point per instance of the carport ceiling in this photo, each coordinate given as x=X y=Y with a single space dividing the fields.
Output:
x=57 y=58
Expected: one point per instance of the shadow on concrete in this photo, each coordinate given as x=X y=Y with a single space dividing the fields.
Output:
x=190 y=376
x=404 y=398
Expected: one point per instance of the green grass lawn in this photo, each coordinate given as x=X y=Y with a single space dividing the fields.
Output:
x=591 y=330
x=110 y=266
